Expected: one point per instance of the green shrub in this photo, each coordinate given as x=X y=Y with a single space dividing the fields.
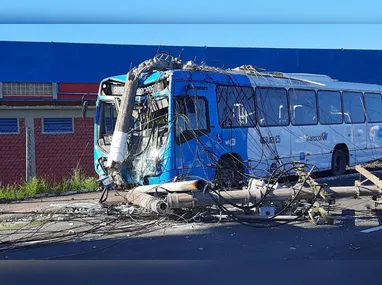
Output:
x=77 y=182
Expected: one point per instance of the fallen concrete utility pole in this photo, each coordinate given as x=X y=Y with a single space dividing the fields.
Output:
x=118 y=148
x=183 y=186
x=194 y=194
x=147 y=201
x=369 y=176
x=246 y=196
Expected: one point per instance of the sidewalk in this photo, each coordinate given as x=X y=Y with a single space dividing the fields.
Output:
x=42 y=204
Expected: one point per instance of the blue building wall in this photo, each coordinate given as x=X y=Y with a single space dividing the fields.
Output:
x=66 y=62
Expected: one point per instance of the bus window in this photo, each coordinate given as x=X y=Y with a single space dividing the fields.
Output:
x=272 y=107
x=330 y=108
x=373 y=104
x=107 y=119
x=191 y=117
x=110 y=118
x=353 y=107
x=236 y=106
x=303 y=107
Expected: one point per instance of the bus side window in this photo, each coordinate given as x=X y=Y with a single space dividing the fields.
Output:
x=236 y=106
x=330 y=107
x=190 y=114
x=303 y=107
x=353 y=106
x=298 y=114
x=282 y=115
x=373 y=103
x=240 y=114
x=270 y=104
x=190 y=104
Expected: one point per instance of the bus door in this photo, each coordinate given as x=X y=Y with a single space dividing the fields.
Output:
x=193 y=147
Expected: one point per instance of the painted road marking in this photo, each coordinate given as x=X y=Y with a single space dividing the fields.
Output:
x=367 y=223
x=372 y=230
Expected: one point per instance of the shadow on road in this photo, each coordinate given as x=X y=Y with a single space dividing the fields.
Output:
x=221 y=242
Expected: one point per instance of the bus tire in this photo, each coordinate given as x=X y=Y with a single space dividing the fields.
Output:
x=229 y=172
x=339 y=161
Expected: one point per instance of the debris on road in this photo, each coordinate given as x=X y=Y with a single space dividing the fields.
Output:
x=79 y=221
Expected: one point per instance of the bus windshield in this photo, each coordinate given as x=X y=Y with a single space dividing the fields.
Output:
x=150 y=128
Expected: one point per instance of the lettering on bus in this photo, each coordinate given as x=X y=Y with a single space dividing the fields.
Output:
x=141 y=91
x=322 y=137
x=272 y=139
x=151 y=89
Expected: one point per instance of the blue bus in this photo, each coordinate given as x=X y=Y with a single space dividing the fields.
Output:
x=229 y=125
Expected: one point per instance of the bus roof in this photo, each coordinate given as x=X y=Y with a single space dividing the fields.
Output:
x=265 y=79
x=146 y=79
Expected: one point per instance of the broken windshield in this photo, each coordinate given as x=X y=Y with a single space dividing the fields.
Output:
x=150 y=125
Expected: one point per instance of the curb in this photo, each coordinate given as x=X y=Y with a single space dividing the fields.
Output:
x=46 y=195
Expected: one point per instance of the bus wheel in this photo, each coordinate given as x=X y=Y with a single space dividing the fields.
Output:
x=229 y=172
x=338 y=162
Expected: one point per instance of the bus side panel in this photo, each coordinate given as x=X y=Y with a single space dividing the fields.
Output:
x=273 y=149
x=359 y=145
x=374 y=137
x=373 y=104
x=328 y=136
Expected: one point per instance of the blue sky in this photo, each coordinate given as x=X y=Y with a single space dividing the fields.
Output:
x=246 y=23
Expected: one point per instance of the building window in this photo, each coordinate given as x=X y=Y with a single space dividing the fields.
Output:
x=27 y=89
x=353 y=108
x=303 y=107
x=373 y=106
x=9 y=126
x=272 y=107
x=58 y=125
x=236 y=106
x=330 y=107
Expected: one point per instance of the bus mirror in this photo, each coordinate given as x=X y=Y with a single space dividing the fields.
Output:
x=84 y=109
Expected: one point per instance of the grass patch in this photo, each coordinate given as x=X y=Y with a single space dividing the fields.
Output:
x=37 y=186
x=20 y=225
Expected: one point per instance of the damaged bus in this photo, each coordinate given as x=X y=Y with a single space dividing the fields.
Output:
x=200 y=122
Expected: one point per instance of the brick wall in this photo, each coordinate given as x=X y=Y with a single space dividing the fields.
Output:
x=12 y=156
x=58 y=154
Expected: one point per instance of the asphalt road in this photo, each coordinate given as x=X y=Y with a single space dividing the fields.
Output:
x=343 y=241
x=301 y=241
